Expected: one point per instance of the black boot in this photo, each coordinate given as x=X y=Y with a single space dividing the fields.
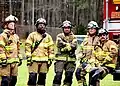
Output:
x=13 y=80
x=5 y=81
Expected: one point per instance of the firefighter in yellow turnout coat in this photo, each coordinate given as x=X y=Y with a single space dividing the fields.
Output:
x=106 y=57
x=39 y=49
x=65 y=58
x=9 y=52
x=87 y=58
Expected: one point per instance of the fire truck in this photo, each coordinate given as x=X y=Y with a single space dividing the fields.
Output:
x=111 y=22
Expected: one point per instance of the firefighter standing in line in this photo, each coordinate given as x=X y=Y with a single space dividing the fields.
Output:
x=10 y=57
x=39 y=49
x=106 y=58
x=87 y=57
x=65 y=58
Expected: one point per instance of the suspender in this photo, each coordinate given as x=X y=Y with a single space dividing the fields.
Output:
x=37 y=43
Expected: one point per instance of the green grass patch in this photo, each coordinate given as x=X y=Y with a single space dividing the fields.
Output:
x=23 y=77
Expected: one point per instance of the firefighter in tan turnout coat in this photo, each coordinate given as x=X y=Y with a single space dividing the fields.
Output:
x=66 y=43
x=39 y=49
x=10 y=56
x=87 y=58
x=106 y=57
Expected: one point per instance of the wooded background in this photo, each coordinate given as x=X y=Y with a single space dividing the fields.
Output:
x=79 y=12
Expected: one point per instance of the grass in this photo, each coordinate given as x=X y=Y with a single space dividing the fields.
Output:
x=23 y=77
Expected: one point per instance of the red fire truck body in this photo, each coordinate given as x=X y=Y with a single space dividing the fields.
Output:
x=111 y=17
x=111 y=22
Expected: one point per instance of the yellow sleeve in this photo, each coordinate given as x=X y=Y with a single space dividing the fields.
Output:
x=28 y=45
x=59 y=42
x=18 y=47
x=74 y=43
x=83 y=44
x=113 y=49
x=51 y=48
x=113 y=52
x=2 y=48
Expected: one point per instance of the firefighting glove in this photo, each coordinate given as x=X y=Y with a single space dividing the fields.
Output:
x=50 y=59
x=49 y=62
x=84 y=59
x=29 y=61
x=20 y=62
x=67 y=48
x=107 y=60
x=0 y=62
x=87 y=67
x=4 y=62
x=84 y=64
x=64 y=49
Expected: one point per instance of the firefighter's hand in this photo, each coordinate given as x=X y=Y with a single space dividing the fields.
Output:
x=49 y=62
x=29 y=61
x=84 y=59
x=4 y=62
x=64 y=49
x=84 y=64
x=88 y=67
x=67 y=48
x=20 y=62
x=107 y=59
x=97 y=63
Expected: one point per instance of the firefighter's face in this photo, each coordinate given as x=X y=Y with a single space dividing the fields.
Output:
x=11 y=27
x=102 y=37
x=66 y=30
x=41 y=28
x=92 y=31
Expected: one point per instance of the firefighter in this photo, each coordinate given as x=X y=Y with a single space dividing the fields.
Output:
x=106 y=58
x=39 y=49
x=86 y=49
x=66 y=43
x=10 y=57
